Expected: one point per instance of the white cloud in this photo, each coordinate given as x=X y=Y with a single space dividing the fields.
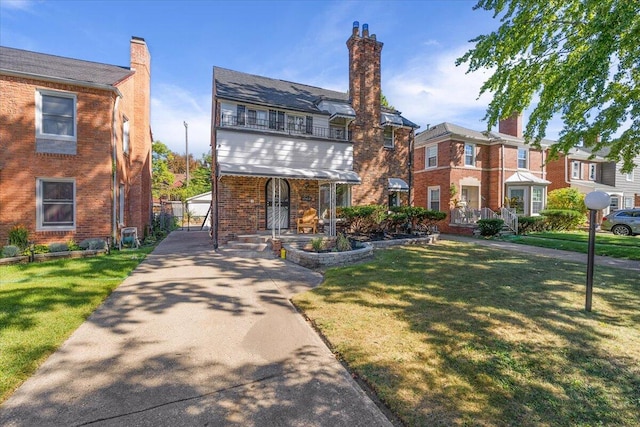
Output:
x=171 y=106
x=430 y=89
x=17 y=4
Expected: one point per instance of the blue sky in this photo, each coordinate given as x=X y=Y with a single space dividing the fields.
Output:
x=300 y=41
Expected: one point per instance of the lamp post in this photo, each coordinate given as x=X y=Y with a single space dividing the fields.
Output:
x=186 y=143
x=595 y=201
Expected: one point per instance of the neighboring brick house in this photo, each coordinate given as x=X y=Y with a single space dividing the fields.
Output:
x=75 y=145
x=587 y=173
x=281 y=147
x=473 y=174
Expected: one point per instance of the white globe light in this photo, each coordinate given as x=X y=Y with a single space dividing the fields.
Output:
x=597 y=200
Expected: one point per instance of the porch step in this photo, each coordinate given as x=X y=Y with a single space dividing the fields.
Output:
x=248 y=246
x=252 y=238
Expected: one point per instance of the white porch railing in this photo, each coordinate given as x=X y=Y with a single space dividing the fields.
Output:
x=472 y=216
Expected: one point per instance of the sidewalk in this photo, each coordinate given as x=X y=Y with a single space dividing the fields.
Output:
x=552 y=253
x=195 y=338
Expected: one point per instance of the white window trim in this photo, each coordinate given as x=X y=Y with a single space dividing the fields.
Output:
x=39 y=201
x=426 y=156
x=629 y=176
x=576 y=167
x=429 y=200
x=473 y=160
x=39 y=133
x=526 y=158
x=393 y=138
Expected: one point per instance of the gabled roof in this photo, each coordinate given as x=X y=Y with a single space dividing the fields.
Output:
x=33 y=64
x=450 y=130
x=237 y=86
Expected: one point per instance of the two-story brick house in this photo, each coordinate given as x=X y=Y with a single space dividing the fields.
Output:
x=280 y=147
x=75 y=145
x=471 y=173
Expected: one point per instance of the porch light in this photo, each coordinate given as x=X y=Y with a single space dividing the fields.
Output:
x=595 y=201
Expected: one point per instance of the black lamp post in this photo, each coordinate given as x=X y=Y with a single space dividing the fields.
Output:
x=595 y=201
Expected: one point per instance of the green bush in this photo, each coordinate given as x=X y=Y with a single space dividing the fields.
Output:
x=58 y=247
x=94 y=244
x=566 y=199
x=563 y=219
x=19 y=236
x=71 y=244
x=531 y=224
x=41 y=249
x=10 y=251
x=490 y=227
x=317 y=244
x=379 y=218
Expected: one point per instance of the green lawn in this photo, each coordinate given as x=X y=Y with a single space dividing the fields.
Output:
x=624 y=247
x=41 y=304
x=459 y=334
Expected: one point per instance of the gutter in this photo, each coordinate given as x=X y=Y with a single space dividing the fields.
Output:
x=62 y=80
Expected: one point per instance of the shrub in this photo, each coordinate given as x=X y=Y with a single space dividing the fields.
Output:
x=71 y=244
x=563 y=219
x=342 y=243
x=566 y=199
x=19 y=236
x=93 y=244
x=490 y=227
x=41 y=249
x=58 y=247
x=10 y=251
x=316 y=244
x=360 y=219
x=530 y=224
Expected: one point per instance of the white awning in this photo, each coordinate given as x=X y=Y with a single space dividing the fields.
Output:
x=526 y=178
x=397 y=184
x=343 y=176
x=338 y=109
x=389 y=119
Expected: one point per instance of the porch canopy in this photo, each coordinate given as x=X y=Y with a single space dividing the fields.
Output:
x=333 y=176
x=397 y=184
x=526 y=178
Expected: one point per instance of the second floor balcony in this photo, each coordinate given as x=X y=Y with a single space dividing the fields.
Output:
x=289 y=127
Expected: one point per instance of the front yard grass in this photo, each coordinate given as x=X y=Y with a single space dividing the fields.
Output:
x=459 y=334
x=41 y=304
x=606 y=244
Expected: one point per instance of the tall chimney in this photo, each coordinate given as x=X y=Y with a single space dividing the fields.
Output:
x=511 y=125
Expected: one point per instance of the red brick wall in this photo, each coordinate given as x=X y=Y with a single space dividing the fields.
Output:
x=373 y=163
x=91 y=166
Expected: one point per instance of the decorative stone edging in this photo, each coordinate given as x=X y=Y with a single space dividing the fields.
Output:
x=333 y=259
x=52 y=255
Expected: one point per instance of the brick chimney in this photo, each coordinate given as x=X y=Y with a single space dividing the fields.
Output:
x=364 y=75
x=512 y=125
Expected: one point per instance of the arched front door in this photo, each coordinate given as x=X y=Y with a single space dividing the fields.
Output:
x=281 y=211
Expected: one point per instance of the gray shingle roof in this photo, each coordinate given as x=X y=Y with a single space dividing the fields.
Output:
x=239 y=86
x=449 y=129
x=57 y=67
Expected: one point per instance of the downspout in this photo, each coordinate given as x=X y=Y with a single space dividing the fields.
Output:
x=114 y=169
x=411 y=143
x=215 y=168
x=502 y=189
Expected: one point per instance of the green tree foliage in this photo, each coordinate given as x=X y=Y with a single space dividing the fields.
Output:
x=162 y=178
x=566 y=198
x=581 y=58
x=385 y=103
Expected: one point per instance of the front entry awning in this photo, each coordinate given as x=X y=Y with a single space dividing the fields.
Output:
x=526 y=178
x=397 y=184
x=335 y=175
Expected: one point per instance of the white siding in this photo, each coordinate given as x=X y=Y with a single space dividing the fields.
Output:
x=283 y=150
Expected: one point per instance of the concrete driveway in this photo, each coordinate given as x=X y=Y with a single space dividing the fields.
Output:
x=195 y=338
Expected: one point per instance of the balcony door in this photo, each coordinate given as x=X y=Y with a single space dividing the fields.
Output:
x=277 y=201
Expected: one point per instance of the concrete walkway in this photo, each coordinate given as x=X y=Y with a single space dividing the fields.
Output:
x=195 y=338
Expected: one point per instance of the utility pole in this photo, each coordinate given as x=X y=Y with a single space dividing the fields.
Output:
x=186 y=143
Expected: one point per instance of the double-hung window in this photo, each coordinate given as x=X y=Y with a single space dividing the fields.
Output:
x=523 y=158
x=55 y=204
x=469 y=155
x=125 y=135
x=431 y=157
x=257 y=118
x=55 y=115
x=433 y=201
x=575 y=169
x=388 y=137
